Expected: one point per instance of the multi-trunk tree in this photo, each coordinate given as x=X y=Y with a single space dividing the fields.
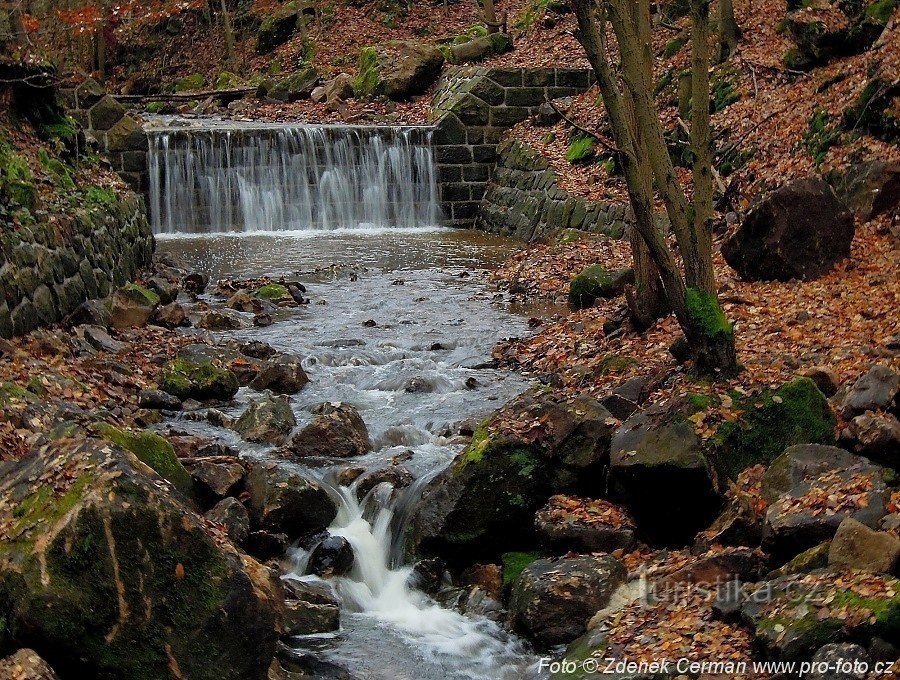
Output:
x=685 y=270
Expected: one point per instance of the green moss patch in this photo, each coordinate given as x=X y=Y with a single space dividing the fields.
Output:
x=594 y=282
x=707 y=314
x=272 y=291
x=188 y=380
x=514 y=564
x=368 y=79
x=582 y=149
x=151 y=449
x=724 y=88
x=190 y=83
x=820 y=136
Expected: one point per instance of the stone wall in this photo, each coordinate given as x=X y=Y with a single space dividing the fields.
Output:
x=473 y=107
x=121 y=139
x=524 y=202
x=48 y=270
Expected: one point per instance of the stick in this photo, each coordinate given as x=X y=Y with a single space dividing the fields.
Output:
x=576 y=126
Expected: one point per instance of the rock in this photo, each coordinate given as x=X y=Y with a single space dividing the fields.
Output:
x=298 y=85
x=397 y=69
x=25 y=664
x=151 y=449
x=680 y=350
x=157 y=399
x=331 y=557
x=870 y=189
x=105 y=113
x=233 y=516
x=796 y=232
x=396 y=475
x=842 y=661
x=99 y=339
x=171 y=315
x=429 y=575
x=809 y=560
x=337 y=432
x=658 y=469
x=479 y=48
x=821 y=35
x=488 y=577
x=553 y=598
x=619 y=406
x=92 y=312
x=798 y=485
x=226 y=356
x=339 y=88
x=166 y=290
x=568 y=523
x=856 y=546
x=198 y=380
x=242 y=301
x=214 y=481
x=879 y=388
x=219 y=321
x=825 y=379
x=282 y=375
x=595 y=282
x=876 y=436
x=97 y=505
x=310 y=609
x=195 y=282
x=277 y=28
x=716 y=567
x=285 y=501
x=485 y=500
x=131 y=306
x=267 y=421
x=263 y=320
x=265 y=545
x=635 y=389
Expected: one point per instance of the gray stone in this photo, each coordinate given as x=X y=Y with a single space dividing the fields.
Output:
x=231 y=514
x=879 y=388
x=105 y=113
x=267 y=421
x=285 y=501
x=856 y=546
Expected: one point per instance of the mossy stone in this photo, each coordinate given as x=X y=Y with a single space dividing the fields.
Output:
x=202 y=380
x=191 y=83
x=272 y=291
x=151 y=449
x=595 y=282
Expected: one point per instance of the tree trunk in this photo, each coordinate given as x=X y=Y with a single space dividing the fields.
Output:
x=490 y=16
x=729 y=31
x=228 y=30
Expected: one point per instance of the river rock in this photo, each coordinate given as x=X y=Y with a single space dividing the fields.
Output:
x=398 y=69
x=796 y=232
x=283 y=374
x=265 y=545
x=876 y=436
x=157 y=399
x=166 y=289
x=429 y=575
x=233 y=516
x=195 y=282
x=171 y=315
x=310 y=608
x=285 y=501
x=131 y=306
x=337 y=432
x=97 y=505
x=92 y=312
x=843 y=662
x=531 y=448
x=396 y=475
x=331 y=557
x=214 y=481
x=203 y=381
x=267 y=421
x=568 y=523
x=596 y=282
x=242 y=301
x=878 y=388
x=214 y=320
x=25 y=664
x=100 y=340
x=553 y=599
x=856 y=546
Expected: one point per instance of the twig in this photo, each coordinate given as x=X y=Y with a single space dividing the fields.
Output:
x=597 y=138
x=753 y=129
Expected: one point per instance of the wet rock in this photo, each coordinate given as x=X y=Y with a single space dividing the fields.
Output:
x=485 y=499
x=398 y=69
x=265 y=545
x=552 y=599
x=876 y=436
x=242 y=301
x=296 y=290
x=25 y=664
x=310 y=609
x=151 y=449
x=396 y=475
x=255 y=349
x=568 y=523
x=331 y=557
x=418 y=385
x=488 y=577
x=479 y=603
x=171 y=315
x=283 y=375
x=840 y=660
x=856 y=546
x=263 y=320
x=203 y=381
x=157 y=399
x=131 y=306
x=92 y=312
x=166 y=290
x=296 y=664
x=267 y=421
x=219 y=321
x=215 y=481
x=233 y=516
x=195 y=282
x=796 y=232
x=429 y=575
x=337 y=432
x=879 y=388
x=99 y=339
x=96 y=504
x=286 y=501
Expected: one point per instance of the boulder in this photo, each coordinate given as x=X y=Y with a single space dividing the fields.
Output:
x=397 y=69
x=152 y=450
x=310 y=608
x=428 y=575
x=824 y=378
x=276 y=28
x=234 y=518
x=659 y=471
x=298 y=85
x=339 y=88
x=92 y=312
x=166 y=289
x=105 y=113
x=157 y=399
x=265 y=545
x=214 y=481
x=799 y=231
x=198 y=380
x=242 y=301
x=856 y=546
x=171 y=315
x=870 y=189
x=832 y=29
x=285 y=501
x=219 y=321
x=338 y=431
x=553 y=599
x=131 y=306
x=843 y=661
x=396 y=475
x=107 y=574
x=100 y=340
x=25 y=664
x=283 y=375
x=811 y=490
x=267 y=421
x=533 y=447
x=195 y=282
x=331 y=557
x=595 y=282
x=568 y=523
x=879 y=388
x=876 y=436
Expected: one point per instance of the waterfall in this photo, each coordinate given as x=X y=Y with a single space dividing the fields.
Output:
x=215 y=179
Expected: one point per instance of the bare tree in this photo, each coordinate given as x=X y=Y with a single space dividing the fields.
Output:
x=490 y=15
x=729 y=31
x=228 y=30
x=638 y=131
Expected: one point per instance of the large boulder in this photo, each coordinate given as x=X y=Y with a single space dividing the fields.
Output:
x=568 y=523
x=105 y=574
x=203 y=380
x=151 y=449
x=596 y=282
x=282 y=374
x=872 y=188
x=284 y=501
x=796 y=232
x=298 y=85
x=828 y=29
x=310 y=608
x=338 y=431
x=398 y=69
x=267 y=421
x=131 y=306
x=878 y=388
x=876 y=436
x=277 y=28
x=856 y=546
x=531 y=448
x=553 y=599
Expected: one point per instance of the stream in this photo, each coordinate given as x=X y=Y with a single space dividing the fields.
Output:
x=401 y=325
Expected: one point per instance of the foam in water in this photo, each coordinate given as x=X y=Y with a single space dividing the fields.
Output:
x=291 y=178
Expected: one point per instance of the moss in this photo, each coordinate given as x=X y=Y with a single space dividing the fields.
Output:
x=474 y=452
x=64 y=129
x=202 y=380
x=16 y=178
x=700 y=402
x=226 y=81
x=139 y=294
x=41 y=510
x=156 y=107
x=674 y=46
x=881 y=11
x=615 y=363
x=820 y=136
x=10 y=393
x=514 y=564
x=707 y=314
x=723 y=88
x=190 y=83
x=886 y=611
x=581 y=149
x=875 y=111
x=795 y=60
x=57 y=170
x=100 y=196
x=795 y=413
x=151 y=449
x=368 y=79
x=37 y=387
x=592 y=283
x=272 y=291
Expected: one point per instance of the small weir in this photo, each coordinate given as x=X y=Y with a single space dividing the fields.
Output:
x=260 y=178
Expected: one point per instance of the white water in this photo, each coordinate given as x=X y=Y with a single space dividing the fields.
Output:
x=217 y=179
x=377 y=589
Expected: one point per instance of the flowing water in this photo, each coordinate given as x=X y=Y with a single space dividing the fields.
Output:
x=401 y=326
